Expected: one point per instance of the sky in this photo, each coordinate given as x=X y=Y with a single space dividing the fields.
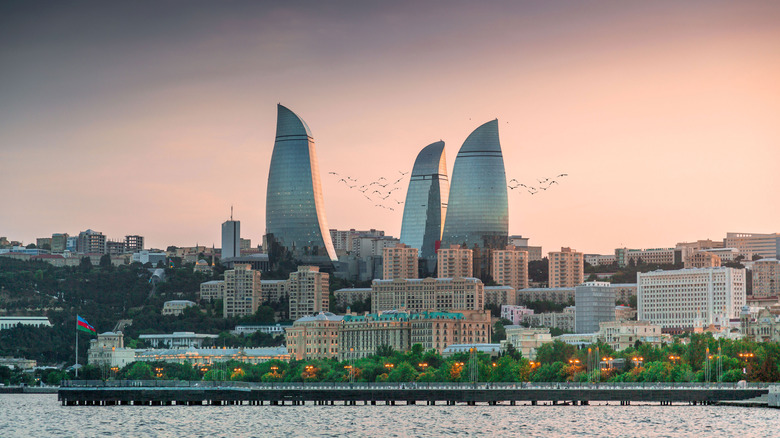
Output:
x=154 y=118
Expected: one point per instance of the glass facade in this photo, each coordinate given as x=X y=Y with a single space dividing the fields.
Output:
x=478 y=209
x=294 y=210
x=426 y=201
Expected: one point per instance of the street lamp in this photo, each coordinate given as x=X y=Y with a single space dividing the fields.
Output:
x=423 y=365
x=638 y=361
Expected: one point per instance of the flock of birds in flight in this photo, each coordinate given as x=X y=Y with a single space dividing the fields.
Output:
x=544 y=184
x=376 y=191
x=380 y=191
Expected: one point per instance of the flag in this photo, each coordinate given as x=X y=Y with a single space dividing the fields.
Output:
x=83 y=325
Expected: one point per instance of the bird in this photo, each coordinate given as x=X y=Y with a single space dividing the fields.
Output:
x=367 y=197
x=402 y=173
x=342 y=179
x=376 y=191
x=333 y=173
x=553 y=182
x=353 y=180
x=563 y=174
x=398 y=180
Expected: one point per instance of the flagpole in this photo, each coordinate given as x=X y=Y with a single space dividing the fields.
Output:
x=77 y=346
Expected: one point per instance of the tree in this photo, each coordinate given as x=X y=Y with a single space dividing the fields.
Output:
x=139 y=371
x=31 y=246
x=384 y=350
x=105 y=261
x=404 y=372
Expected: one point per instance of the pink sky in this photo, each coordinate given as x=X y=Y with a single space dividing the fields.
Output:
x=666 y=116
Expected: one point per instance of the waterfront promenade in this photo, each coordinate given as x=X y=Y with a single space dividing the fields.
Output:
x=158 y=392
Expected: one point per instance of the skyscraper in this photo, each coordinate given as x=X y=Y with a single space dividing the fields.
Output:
x=478 y=208
x=294 y=210
x=426 y=200
x=231 y=239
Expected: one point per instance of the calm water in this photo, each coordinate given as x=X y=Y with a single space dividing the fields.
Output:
x=42 y=416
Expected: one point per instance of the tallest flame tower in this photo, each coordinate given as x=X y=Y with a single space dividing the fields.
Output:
x=294 y=209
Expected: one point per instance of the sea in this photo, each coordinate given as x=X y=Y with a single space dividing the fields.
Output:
x=41 y=415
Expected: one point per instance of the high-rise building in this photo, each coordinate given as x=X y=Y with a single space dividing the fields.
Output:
x=478 y=208
x=241 y=291
x=231 y=239
x=685 y=298
x=566 y=268
x=295 y=211
x=510 y=267
x=426 y=201
x=766 y=278
x=308 y=292
x=91 y=242
x=455 y=261
x=399 y=262
x=594 y=303
x=344 y=240
x=765 y=245
x=59 y=242
x=134 y=243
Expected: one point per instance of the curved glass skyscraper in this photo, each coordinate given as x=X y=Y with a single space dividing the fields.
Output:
x=478 y=209
x=426 y=200
x=294 y=210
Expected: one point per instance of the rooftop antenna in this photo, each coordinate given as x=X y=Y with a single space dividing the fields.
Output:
x=231 y=212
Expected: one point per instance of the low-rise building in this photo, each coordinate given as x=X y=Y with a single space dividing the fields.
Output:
x=108 y=351
x=17 y=363
x=624 y=313
x=348 y=296
x=176 y=307
x=761 y=327
x=492 y=350
x=560 y=320
x=623 y=334
x=498 y=296
x=515 y=313
x=176 y=339
x=210 y=356
x=314 y=337
x=525 y=340
x=702 y=259
x=8 y=322
x=557 y=295
x=212 y=290
x=269 y=329
x=145 y=257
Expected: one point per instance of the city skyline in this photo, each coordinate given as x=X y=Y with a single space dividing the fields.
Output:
x=146 y=119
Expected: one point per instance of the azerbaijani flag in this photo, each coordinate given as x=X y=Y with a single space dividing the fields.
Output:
x=83 y=325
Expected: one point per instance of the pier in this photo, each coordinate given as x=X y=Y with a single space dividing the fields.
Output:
x=166 y=393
